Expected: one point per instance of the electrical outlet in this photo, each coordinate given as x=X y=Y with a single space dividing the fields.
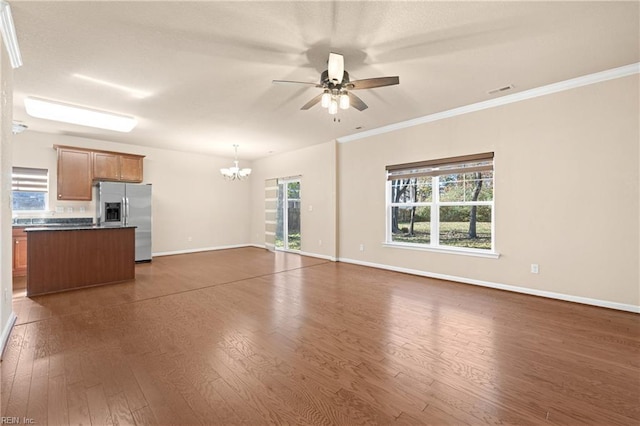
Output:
x=189 y=239
x=310 y=208
x=361 y=247
x=535 y=268
x=319 y=242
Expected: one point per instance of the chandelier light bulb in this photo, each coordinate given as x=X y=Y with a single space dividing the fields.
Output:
x=344 y=101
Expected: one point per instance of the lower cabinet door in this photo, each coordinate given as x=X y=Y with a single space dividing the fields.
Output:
x=19 y=256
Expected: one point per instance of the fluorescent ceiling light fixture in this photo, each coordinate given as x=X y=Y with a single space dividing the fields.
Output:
x=8 y=32
x=57 y=111
x=133 y=92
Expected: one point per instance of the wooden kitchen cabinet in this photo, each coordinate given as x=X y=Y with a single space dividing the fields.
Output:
x=78 y=168
x=67 y=259
x=106 y=166
x=131 y=168
x=74 y=174
x=19 y=252
x=117 y=167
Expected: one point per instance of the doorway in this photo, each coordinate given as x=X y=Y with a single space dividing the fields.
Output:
x=288 y=236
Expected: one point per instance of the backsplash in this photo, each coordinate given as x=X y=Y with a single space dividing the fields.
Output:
x=53 y=220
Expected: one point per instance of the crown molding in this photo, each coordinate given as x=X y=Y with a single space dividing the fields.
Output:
x=561 y=86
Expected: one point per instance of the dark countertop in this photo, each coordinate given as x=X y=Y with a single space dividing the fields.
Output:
x=59 y=227
x=51 y=221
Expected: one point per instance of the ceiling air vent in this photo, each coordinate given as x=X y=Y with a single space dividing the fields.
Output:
x=500 y=89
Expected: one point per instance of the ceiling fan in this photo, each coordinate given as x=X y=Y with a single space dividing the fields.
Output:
x=336 y=87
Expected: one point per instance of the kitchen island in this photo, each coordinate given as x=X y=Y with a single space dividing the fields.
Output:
x=71 y=257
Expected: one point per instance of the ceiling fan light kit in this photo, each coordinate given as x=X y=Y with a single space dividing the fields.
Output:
x=235 y=172
x=336 y=86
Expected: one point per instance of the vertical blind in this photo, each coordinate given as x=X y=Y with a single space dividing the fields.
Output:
x=25 y=179
x=270 y=213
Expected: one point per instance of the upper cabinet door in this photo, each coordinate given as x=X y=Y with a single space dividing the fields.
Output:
x=74 y=174
x=106 y=166
x=131 y=168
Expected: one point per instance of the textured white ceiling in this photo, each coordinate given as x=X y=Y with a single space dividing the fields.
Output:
x=205 y=68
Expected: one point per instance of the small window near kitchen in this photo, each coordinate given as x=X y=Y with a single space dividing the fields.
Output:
x=30 y=189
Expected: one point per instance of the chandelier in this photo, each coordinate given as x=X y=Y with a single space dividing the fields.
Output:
x=235 y=172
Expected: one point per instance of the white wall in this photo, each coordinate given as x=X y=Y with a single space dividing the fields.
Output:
x=566 y=192
x=193 y=207
x=317 y=167
x=6 y=89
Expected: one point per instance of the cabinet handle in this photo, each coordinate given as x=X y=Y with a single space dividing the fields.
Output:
x=17 y=242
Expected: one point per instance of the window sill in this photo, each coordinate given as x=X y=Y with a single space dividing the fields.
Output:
x=447 y=250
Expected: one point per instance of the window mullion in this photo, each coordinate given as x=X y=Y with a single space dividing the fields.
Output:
x=435 y=211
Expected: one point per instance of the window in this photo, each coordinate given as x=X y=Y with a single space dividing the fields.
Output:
x=288 y=215
x=30 y=189
x=444 y=204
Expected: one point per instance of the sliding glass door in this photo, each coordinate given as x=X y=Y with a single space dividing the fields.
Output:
x=288 y=215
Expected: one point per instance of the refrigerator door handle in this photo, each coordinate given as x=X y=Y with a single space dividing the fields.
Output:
x=127 y=216
x=123 y=213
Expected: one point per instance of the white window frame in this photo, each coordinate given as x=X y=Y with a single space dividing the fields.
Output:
x=30 y=184
x=435 y=204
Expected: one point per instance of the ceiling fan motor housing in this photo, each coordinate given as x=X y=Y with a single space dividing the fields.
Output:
x=328 y=84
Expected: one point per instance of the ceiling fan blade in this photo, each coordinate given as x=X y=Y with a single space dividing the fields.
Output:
x=370 y=83
x=336 y=67
x=295 y=82
x=356 y=102
x=312 y=102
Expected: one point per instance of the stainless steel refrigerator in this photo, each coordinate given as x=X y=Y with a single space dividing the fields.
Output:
x=127 y=204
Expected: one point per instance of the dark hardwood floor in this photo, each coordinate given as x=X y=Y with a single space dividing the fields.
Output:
x=245 y=336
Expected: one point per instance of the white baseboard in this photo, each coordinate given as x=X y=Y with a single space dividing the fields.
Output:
x=319 y=256
x=301 y=253
x=198 y=250
x=6 y=332
x=515 y=289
